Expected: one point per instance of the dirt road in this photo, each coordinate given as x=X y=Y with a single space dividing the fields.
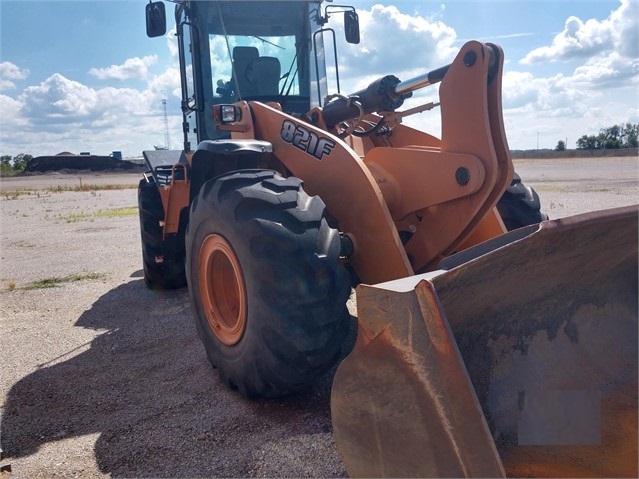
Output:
x=101 y=377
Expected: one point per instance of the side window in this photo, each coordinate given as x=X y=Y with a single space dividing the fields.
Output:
x=221 y=70
x=319 y=82
x=190 y=85
x=187 y=58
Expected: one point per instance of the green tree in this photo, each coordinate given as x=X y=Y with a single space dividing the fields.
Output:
x=21 y=161
x=588 y=142
x=615 y=136
x=609 y=138
x=5 y=166
x=630 y=135
x=561 y=146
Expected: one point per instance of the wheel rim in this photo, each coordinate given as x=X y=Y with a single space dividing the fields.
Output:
x=222 y=289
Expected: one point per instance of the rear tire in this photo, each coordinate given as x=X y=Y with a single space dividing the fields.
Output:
x=266 y=285
x=162 y=259
x=520 y=206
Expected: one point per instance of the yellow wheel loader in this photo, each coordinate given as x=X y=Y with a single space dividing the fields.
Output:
x=491 y=341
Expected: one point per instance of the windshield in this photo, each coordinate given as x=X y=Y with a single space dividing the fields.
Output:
x=245 y=67
x=249 y=50
x=258 y=49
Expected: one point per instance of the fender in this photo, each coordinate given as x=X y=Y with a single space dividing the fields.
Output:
x=216 y=157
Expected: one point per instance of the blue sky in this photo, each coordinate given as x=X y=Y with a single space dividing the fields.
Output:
x=82 y=75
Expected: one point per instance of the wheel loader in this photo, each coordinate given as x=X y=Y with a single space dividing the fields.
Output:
x=491 y=341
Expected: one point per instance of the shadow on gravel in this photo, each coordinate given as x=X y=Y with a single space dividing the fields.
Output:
x=146 y=387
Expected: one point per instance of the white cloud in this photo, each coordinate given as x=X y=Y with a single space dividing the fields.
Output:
x=601 y=90
x=137 y=68
x=62 y=114
x=168 y=82
x=59 y=99
x=584 y=39
x=626 y=28
x=6 y=85
x=612 y=70
x=555 y=96
x=10 y=72
x=578 y=40
x=397 y=43
x=607 y=54
x=10 y=108
x=561 y=107
x=172 y=44
x=519 y=89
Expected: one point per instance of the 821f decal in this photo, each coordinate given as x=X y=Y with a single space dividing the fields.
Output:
x=306 y=140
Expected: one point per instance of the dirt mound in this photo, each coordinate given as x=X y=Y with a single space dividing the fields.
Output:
x=43 y=164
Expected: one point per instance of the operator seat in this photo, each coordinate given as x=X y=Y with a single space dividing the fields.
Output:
x=242 y=58
x=264 y=73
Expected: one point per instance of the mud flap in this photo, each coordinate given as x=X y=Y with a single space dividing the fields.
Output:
x=521 y=360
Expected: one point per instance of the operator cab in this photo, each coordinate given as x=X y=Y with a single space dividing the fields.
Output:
x=269 y=51
x=258 y=51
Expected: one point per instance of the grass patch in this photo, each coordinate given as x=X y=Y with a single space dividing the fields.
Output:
x=6 y=170
x=14 y=194
x=55 y=281
x=550 y=188
x=81 y=187
x=75 y=217
x=599 y=190
x=117 y=212
x=112 y=213
x=22 y=244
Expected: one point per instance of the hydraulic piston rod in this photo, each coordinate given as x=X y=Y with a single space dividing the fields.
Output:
x=388 y=93
x=421 y=81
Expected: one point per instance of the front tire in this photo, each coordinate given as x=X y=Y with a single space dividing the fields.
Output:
x=265 y=282
x=520 y=206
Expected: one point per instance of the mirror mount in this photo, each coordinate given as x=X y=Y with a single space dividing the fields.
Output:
x=351 y=21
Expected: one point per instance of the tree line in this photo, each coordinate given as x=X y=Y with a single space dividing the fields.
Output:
x=613 y=137
x=11 y=165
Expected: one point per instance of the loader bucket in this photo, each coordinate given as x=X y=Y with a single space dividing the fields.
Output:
x=517 y=361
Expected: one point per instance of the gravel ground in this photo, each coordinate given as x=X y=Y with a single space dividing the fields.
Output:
x=101 y=377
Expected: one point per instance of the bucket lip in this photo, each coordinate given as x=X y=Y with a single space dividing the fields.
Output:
x=487 y=247
x=403 y=285
x=611 y=214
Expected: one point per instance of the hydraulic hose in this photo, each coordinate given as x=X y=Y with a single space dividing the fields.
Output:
x=378 y=96
x=388 y=93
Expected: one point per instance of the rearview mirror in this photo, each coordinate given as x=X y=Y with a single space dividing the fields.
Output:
x=351 y=26
x=155 y=19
